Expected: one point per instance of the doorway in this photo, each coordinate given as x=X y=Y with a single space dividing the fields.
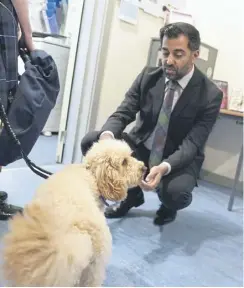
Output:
x=75 y=46
x=56 y=27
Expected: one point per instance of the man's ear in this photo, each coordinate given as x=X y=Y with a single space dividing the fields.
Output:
x=196 y=54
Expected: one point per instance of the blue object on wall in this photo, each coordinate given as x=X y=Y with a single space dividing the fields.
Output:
x=51 y=15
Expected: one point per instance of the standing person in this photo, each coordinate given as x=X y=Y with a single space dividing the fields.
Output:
x=12 y=13
x=178 y=106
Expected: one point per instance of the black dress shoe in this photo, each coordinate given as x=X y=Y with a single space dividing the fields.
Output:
x=7 y=210
x=164 y=216
x=3 y=196
x=124 y=206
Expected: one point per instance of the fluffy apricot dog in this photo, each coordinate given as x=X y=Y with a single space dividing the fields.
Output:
x=62 y=238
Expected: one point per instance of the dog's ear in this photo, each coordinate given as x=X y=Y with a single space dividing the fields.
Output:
x=124 y=161
x=110 y=184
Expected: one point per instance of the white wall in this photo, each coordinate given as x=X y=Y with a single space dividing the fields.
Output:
x=126 y=56
x=221 y=25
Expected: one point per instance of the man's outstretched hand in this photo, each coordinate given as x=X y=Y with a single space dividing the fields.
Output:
x=154 y=177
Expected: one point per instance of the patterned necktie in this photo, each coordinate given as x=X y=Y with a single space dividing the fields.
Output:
x=162 y=125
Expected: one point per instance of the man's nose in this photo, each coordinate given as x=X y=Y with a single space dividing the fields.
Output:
x=170 y=60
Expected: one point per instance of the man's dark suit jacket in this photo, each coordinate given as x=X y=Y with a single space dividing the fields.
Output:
x=191 y=120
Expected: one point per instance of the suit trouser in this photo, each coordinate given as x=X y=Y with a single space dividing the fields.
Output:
x=175 y=189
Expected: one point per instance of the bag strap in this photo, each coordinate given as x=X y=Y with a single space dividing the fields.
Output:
x=36 y=169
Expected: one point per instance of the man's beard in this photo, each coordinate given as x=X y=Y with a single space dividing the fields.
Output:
x=173 y=73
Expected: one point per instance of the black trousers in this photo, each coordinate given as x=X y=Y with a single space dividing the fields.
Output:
x=175 y=190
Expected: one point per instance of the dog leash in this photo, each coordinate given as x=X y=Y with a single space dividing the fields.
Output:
x=36 y=169
x=104 y=201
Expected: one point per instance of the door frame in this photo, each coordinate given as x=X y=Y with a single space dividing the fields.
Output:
x=72 y=32
x=85 y=73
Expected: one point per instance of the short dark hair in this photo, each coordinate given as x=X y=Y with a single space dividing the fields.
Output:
x=180 y=28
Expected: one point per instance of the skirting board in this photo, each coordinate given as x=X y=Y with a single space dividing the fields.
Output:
x=220 y=180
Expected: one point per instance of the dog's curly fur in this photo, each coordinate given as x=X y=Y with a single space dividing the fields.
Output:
x=62 y=238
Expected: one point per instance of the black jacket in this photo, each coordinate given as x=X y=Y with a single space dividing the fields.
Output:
x=191 y=120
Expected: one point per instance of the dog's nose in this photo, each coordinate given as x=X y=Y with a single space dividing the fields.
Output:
x=144 y=169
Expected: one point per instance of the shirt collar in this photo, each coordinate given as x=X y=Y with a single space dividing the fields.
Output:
x=184 y=80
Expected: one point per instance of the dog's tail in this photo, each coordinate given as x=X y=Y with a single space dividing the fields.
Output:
x=38 y=253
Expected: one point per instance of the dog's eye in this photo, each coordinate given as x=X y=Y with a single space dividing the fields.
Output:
x=124 y=162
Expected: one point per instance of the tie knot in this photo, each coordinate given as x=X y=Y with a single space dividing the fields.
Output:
x=172 y=84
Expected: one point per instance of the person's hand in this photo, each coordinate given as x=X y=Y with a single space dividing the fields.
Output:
x=105 y=136
x=26 y=42
x=154 y=177
x=22 y=9
x=29 y=43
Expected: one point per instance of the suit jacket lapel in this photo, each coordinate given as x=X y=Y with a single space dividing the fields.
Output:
x=157 y=93
x=191 y=90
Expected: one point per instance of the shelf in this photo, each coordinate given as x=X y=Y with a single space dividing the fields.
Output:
x=231 y=112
